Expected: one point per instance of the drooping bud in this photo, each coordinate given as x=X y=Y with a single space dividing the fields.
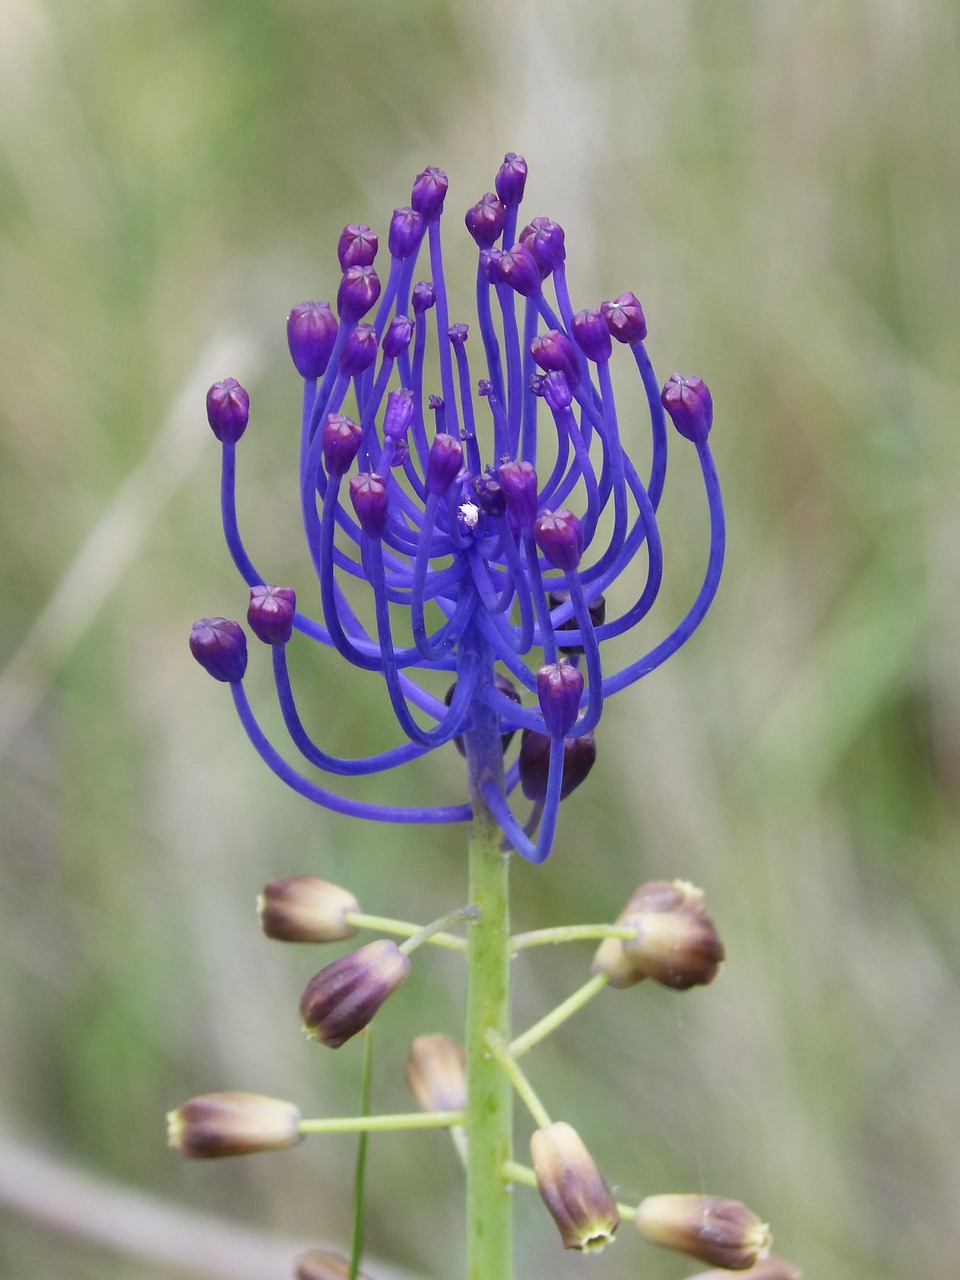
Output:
x=424 y=296
x=675 y=943
x=323 y=1264
x=398 y=414
x=232 y=1124
x=545 y=238
x=553 y=351
x=485 y=220
x=368 y=493
x=624 y=317
x=359 y=290
x=573 y=1188
x=597 y=609
x=357 y=246
x=489 y=494
x=511 y=179
x=359 y=350
x=518 y=267
x=690 y=406
x=436 y=1073
x=518 y=480
x=340 y=442
x=722 y=1232
x=443 y=463
x=343 y=997
x=593 y=334
x=398 y=337
x=228 y=410
x=270 y=613
x=771 y=1268
x=559 y=686
x=406 y=232
x=220 y=647
x=559 y=535
x=579 y=756
x=503 y=685
x=305 y=909
x=311 y=333
x=429 y=191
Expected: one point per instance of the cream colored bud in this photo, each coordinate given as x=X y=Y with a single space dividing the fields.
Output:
x=232 y=1124
x=436 y=1073
x=305 y=909
x=772 y=1268
x=675 y=942
x=573 y=1188
x=322 y=1264
x=722 y=1232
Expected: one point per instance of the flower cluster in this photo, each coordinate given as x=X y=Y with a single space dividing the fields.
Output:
x=494 y=564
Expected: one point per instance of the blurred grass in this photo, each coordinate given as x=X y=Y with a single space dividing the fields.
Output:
x=779 y=184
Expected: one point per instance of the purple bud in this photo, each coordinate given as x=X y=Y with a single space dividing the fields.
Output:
x=490 y=265
x=398 y=336
x=343 y=997
x=359 y=290
x=690 y=406
x=401 y=452
x=511 y=179
x=406 y=232
x=485 y=220
x=518 y=267
x=357 y=246
x=305 y=909
x=340 y=443
x=579 y=755
x=489 y=493
x=559 y=535
x=559 y=686
x=545 y=238
x=368 y=493
x=429 y=191
x=518 y=480
x=624 y=317
x=232 y=1124
x=228 y=410
x=311 y=333
x=220 y=647
x=270 y=613
x=424 y=296
x=553 y=351
x=591 y=332
x=443 y=463
x=398 y=415
x=555 y=389
x=457 y=333
x=359 y=350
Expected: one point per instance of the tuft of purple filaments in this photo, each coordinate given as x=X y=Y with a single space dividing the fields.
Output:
x=486 y=546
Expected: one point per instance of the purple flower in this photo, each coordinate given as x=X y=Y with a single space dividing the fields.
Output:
x=475 y=478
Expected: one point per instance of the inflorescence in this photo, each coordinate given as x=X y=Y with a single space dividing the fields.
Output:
x=474 y=552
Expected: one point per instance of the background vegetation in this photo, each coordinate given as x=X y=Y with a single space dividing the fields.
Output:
x=779 y=183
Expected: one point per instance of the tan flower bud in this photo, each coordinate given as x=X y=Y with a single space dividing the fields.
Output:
x=436 y=1073
x=322 y=1264
x=772 y=1268
x=675 y=941
x=305 y=909
x=722 y=1232
x=232 y=1124
x=342 y=998
x=573 y=1188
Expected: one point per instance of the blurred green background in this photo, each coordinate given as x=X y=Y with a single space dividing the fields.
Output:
x=780 y=185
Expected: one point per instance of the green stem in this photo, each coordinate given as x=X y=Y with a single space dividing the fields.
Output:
x=403 y=929
x=524 y=1088
x=573 y=1004
x=569 y=933
x=384 y=1124
x=356 y=1248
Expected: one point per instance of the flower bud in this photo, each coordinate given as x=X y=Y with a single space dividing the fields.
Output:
x=559 y=535
x=424 y=296
x=359 y=290
x=722 y=1232
x=406 y=232
x=398 y=414
x=270 y=613
x=429 y=191
x=675 y=943
x=305 y=909
x=357 y=246
x=559 y=686
x=436 y=1073
x=545 y=238
x=228 y=410
x=573 y=1188
x=489 y=263
x=489 y=493
x=690 y=406
x=323 y=1264
x=518 y=480
x=518 y=267
x=340 y=442
x=554 y=352
x=398 y=337
x=593 y=335
x=220 y=647
x=485 y=220
x=359 y=350
x=597 y=608
x=311 y=333
x=457 y=333
x=343 y=997
x=232 y=1124
x=443 y=463
x=625 y=318
x=555 y=390
x=771 y=1268
x=511 y=179
x=368 y=493
x=579 y=755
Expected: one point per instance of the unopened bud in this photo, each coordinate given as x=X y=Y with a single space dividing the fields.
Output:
x=597 y=608
x=675 y=941
x=232 y=1124
x=323 y=1264
x=573 y=1188
x=305 y=909
x=485 y=220
x=429 y=192
x=511 y=179
x=220 y=647
x=228 y=410
x=722 y=1232
x=690 y=406
x=771 y=1268
x=436 y=1073
x=270 y=613
x=357 y=246
x=579 y=757
x=343 y=997
x=406 y=232
x=559 y=686
x=624 y=317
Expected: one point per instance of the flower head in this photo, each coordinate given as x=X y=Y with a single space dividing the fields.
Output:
x=500 y=526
